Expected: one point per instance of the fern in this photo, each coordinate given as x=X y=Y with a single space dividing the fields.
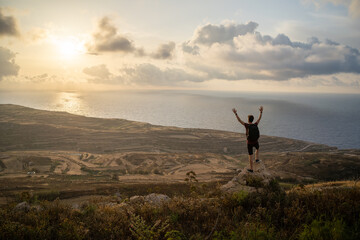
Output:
x=142 y=231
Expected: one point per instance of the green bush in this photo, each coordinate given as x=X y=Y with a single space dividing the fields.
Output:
x=174 y=235
x=325 y=230
x=254 y=181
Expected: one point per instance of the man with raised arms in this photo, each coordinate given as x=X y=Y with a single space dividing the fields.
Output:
x=252 y=136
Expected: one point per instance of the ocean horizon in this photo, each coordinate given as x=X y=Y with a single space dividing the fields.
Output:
x=331 y=119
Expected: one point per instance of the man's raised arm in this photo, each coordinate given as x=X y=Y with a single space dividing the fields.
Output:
x=238 y=118
x=261 y=110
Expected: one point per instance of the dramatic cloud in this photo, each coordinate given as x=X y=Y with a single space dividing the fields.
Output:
x=7 y=63
x=188 y=48
x=165 y=51
x=8 y=25
x=107 y=39
x=99 y=72
x=210 y=34
x=234 y=52
x=251 y=55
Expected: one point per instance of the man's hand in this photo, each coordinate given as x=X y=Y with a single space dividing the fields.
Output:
x=261 y=110
x=238 y=118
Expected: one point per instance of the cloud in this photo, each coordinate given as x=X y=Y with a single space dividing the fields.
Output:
x=210 y=34
x=99 y=73
x=38 y=34
x=189 y=48
x=236 y=52
x=150 y=74
x=142 y=74
x=107 y=39
x=7 y=63
x=347 y=80
x=165 y=51
x=8 y=26
x=38 y=78
x=353 y=6
x=251 y=55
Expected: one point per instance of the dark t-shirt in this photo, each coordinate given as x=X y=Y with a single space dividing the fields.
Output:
x=247 y=133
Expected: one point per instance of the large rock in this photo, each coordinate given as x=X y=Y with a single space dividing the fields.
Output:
x=22 y=207
x=156 y=199
x=249 y=181
x=153 y=198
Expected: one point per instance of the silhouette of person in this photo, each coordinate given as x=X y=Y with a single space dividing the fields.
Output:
x=251 y=142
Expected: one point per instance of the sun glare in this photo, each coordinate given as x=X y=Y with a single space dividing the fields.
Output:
x=69 y=47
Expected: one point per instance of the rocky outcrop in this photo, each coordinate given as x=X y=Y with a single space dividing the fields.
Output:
x=156 y=199
x=153 y=198
x=26 y=207
x=249 y=181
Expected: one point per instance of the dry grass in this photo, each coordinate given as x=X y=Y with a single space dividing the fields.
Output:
x=332 y=213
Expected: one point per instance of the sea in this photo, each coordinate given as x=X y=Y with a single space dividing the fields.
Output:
x=331 y=119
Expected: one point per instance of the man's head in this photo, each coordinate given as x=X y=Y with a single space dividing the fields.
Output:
x=250 y=118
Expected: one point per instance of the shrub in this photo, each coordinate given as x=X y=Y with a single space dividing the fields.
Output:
x=254 y=181
x=174 y=235
x=141 y=231
x=324 y=230
x=266 y=214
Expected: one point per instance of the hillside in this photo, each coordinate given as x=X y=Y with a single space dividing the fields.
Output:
x=30 y=129
x=50 y=150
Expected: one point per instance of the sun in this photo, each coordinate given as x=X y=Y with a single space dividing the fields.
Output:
x=69 y=47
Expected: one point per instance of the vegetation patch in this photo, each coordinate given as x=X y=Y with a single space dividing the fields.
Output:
x=54 y=165
x=268 y=214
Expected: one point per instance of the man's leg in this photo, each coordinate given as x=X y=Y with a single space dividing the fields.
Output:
x=250 y=151
x=251 y=162
x=257 y=159
x=257 y=155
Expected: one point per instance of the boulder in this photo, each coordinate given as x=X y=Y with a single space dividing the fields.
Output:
x=249 y=181
x=22 y=207
x=153 y=198
x=156 y=199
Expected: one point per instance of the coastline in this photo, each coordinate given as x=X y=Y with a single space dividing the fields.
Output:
x=309 y=118
x=95 y=154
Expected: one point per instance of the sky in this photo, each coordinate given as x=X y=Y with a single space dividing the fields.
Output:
x=228 y=45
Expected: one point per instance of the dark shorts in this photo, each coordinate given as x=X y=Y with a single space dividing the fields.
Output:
x=250 y=147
